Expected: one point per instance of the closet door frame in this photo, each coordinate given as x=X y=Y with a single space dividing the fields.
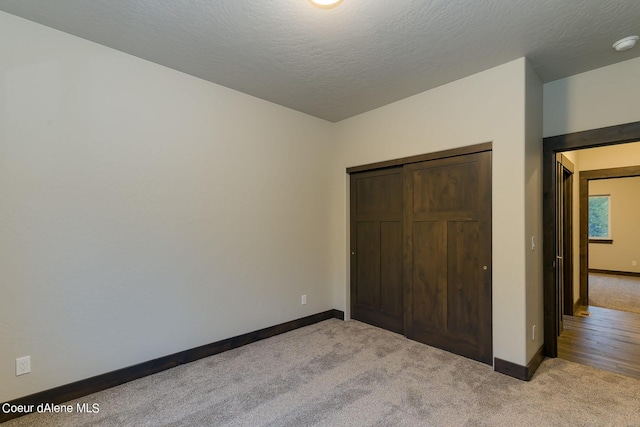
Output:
x=462 y=151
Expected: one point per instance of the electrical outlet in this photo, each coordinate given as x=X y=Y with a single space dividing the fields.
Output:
x=533 y=333
x=303 y=300
x=634 y=263
x=23 y=365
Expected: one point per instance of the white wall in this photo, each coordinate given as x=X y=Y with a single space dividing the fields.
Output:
x=533 y=212
x=489 y=106
x=604 y=97
x=144 y=212
x=614 y=156
x=625 y=229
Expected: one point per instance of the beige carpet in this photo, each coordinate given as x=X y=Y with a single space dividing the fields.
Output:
x=615 y=292
x=350 y=374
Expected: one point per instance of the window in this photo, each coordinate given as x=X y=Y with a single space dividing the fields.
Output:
x=600 y=217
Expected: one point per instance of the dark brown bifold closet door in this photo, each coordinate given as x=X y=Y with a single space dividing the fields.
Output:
x=376 y=248
x=447 y=254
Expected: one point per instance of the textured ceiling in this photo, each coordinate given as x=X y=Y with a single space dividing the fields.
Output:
x=359 y=56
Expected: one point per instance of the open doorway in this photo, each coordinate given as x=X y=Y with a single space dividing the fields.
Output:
x=557 y=280
x=610 y=236
x=604 y=332
x=614 y=291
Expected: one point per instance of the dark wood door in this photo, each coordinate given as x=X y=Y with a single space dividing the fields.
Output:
x=564 y=243
x=376 y=248
x=447 y=248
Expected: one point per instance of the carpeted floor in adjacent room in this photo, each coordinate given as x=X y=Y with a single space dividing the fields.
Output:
x=351 y=374
x=615 y=292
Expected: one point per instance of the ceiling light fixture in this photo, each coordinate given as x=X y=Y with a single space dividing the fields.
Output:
x=625 y=43
x=325 y=4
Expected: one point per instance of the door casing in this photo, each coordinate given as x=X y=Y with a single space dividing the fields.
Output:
x=585 y=177
x=474 y=149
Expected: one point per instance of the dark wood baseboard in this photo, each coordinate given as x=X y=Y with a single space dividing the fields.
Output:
x=509 y=368
x=614 y=272
x=91 y=385
x=577 y=305
x=535 y=362
x=524 y=373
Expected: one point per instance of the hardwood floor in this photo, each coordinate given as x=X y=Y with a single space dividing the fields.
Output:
x=607 y=339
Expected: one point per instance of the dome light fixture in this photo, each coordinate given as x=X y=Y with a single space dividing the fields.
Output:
x=325 y=4
x=625 y=43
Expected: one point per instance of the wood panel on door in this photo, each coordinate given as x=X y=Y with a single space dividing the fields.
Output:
x=376 y=248
x=447 y=254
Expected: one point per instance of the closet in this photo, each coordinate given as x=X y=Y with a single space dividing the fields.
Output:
x=421 y=248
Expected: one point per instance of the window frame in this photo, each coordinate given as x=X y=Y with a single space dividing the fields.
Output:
x=604 y=239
